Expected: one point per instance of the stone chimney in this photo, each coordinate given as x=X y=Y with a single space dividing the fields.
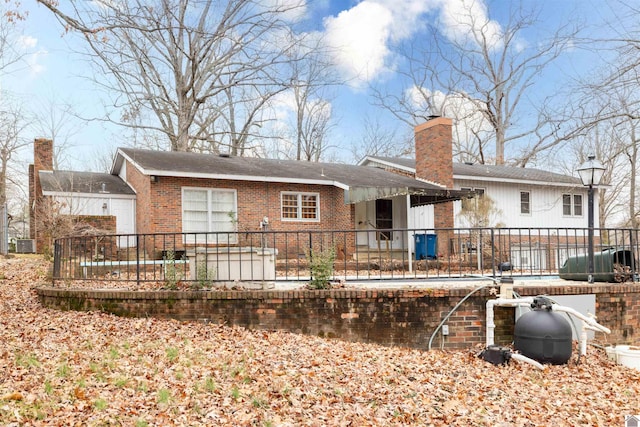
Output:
x=42 y=160
x=434 y=151
x=434 y=164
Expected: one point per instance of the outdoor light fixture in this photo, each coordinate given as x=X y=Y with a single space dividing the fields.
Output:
x=591 y=173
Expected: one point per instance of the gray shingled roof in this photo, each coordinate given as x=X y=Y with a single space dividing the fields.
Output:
x=352 y=178
x=491 y=172
x=83 y=182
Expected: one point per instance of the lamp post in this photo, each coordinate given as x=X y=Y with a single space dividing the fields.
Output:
x=590 y=173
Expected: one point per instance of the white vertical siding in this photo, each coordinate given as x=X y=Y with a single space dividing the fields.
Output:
x=545 y=202
x=421 y=217
x=123 y=208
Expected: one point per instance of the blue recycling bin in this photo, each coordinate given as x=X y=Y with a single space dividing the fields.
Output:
x=426 y=246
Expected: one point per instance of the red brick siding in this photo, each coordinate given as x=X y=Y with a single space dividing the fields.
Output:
x=434 y=163
x=104 y=247
x=140 y=183
x=388 y=317
x=32 y=199
x=42 y=160
x=443 y=222
x=434 y=151
x=159 y=204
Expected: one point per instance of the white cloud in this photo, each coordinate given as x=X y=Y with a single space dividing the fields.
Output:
x=362 y=36
x=27 y=42
x=467 y=20
x=32 y=57
x=358 y=38
x=408 y=16
x=34 y=62
x=292 y=10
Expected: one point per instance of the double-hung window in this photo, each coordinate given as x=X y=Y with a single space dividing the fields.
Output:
x=566 y=204
x=577 y=204
x=300 y=206
x=572 y=204
x=209 y=211
x=525 y=202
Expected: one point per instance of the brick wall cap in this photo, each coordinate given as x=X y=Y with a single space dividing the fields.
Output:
x=434 y=122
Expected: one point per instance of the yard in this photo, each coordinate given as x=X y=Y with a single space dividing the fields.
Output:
x=71 y=368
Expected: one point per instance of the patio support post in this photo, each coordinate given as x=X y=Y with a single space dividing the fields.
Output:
x=590 y=225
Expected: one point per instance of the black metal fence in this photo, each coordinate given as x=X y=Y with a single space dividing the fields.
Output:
x=205 y=260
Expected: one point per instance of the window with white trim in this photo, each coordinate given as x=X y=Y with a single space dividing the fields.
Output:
x=300 y=206
x=525 y=202
x=209 y=211
x=566 y=204
x=572 y=205
x=577 y=204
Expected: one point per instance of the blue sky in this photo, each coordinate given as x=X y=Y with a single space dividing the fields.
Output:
x=367 y=31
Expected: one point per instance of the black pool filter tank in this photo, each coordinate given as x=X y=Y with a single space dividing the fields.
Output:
x=543 y=335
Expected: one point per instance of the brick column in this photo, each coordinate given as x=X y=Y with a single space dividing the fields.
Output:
x=434 y=164
x=42 y=160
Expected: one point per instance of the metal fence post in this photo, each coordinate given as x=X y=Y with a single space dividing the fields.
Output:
x=493 y=252
x=310 y=256
x=138 y=260
x=4 y=232
x=57 y=259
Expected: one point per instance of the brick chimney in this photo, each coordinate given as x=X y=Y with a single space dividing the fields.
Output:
x=434 y=151
x=434 y=164
x=42 y=160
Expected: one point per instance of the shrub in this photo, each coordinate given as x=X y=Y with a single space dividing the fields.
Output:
x=205 y=276
x=172 y=274
x=321 y=267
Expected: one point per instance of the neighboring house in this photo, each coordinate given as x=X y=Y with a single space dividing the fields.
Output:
x=176 y=192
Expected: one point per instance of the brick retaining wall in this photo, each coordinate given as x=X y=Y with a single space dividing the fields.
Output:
x=400 y=317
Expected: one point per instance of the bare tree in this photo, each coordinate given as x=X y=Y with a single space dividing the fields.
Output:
x=235 y=121
x=482 y=68
x=171 y=64
x=603 y=120
x=480 y=211
x=378 y=140
x=55 y=120
x=311 y=80
x=10 y=15
x=12 y=125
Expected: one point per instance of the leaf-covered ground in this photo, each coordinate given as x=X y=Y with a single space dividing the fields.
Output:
x=71 y=368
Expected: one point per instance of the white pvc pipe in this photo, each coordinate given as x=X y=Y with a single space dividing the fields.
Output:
x=503 y=302
x=587 y=319
x=583 y=342
x=521 y=358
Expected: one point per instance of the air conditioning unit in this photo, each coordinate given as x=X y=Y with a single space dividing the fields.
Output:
x=25 y=246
